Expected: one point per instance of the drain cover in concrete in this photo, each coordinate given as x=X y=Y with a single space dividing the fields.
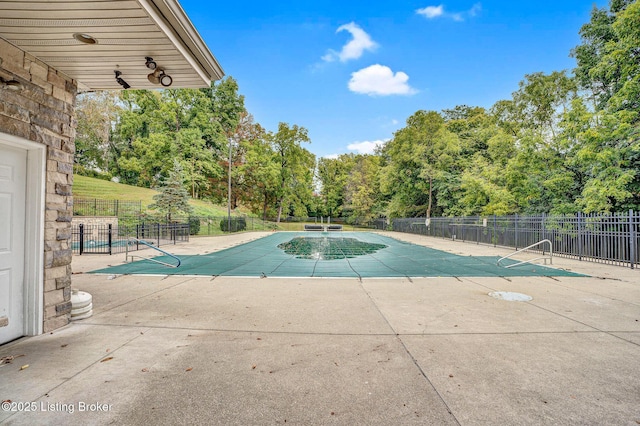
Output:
x=510 y=296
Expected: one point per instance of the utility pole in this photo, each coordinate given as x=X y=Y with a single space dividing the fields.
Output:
x=229 y=188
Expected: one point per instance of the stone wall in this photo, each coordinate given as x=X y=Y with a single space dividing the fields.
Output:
x=95 y=220
x=93 y=225
x=43 y=111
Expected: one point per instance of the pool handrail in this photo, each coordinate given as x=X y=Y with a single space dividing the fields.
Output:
x=545 y=257
x=139 y=241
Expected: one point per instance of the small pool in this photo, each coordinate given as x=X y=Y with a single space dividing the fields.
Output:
x=343 y=254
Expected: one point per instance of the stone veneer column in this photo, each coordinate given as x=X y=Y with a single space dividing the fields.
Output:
x=44 y=112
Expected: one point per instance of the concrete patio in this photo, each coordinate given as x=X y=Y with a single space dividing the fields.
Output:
x=224 y=350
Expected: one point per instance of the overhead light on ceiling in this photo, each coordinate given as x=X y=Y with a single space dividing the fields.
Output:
x=166 y=80
x=85 y=38
x=158 y=76
x=10 y=84
x=150 y=63
x=120 y=81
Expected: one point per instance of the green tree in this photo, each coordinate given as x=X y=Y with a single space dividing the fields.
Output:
x=608 y=152
x=484 y=189
x=362 y=186
x=96 y=114
x=158 y=125
x=173 y=197
x=295 y=167
x=594 y=71
x=227 y=107
x=416 y=162
x=537 y=106
x=246 y=133
x=260 y=175
x=198 y=161
x=333 y=174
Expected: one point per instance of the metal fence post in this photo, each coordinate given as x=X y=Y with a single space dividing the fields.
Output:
x=81 y=238
x=494 y=237
x=633 y=249
x=110 y=239
x=158 y=228
x=515 y=232
x=580 y=247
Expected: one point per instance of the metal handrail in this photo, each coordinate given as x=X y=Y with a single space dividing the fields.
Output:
x=139 y=241
x=550 y=256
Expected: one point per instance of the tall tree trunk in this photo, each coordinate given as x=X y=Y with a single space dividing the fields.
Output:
x=193 y=178
x=280 y=201
x=264 y=208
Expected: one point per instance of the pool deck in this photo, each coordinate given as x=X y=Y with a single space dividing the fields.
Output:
x=306 y=351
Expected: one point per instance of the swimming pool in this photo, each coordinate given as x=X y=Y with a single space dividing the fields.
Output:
x=343 y=254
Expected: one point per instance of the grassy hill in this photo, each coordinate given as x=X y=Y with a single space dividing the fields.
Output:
x=87 y=187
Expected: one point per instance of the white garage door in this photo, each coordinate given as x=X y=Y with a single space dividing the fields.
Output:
x=13 y=176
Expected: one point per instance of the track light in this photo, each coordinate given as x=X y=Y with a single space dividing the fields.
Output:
x=120 y=81
x=150 y=63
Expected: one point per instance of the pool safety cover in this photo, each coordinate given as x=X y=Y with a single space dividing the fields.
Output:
x=343 y=254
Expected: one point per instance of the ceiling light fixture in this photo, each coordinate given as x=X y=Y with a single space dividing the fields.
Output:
x=166 y=80
x=154 y=77
x=10 y=84
x=85 y=38
x=120 y=81
x=150 y=63
x=158 y=76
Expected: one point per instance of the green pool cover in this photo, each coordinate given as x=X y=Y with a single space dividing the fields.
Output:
x=339 y=254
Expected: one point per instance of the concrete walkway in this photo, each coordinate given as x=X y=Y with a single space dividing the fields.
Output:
x=184 y=350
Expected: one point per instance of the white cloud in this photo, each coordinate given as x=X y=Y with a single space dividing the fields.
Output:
x=366 y=147
x=380 y=80
x=431 y=11
x=354 y=49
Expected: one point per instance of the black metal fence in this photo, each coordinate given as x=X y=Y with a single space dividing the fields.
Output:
x=605 y=238
x=109 y=239
x=96 y=207
x=216 y=225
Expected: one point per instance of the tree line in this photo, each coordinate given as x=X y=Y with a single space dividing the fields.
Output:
x=565 y=142
x=141 y=137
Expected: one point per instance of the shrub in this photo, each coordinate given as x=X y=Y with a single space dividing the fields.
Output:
x=194 y=225
x=237 y=224
x=79 y=169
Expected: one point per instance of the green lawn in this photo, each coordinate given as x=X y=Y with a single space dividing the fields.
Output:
x=92 y=188
x=87 y=187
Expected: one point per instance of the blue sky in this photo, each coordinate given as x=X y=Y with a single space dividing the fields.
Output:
x=352 y=72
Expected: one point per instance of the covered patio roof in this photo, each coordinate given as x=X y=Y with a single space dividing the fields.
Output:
x=88 y=40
